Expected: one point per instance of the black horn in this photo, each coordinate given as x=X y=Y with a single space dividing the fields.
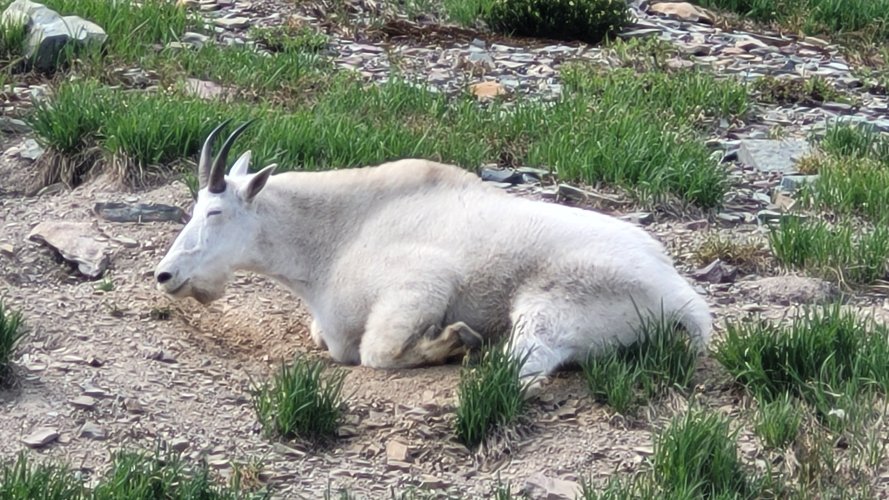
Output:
x=205 y=161
x=217 y=171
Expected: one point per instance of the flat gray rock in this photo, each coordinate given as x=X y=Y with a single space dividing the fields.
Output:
x=787 y=290
x=77 y=242
x=40 y=437
x=773 y=155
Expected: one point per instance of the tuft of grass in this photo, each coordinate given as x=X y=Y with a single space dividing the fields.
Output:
x=840 y=253
x=827 y=357
x=490 y=395
x=133 y=476
x=867 y=18
x=301 y=401
x=290 y=37
x=627 y=376
x=688 y=96
x=856 y=141
x=11 y=333
x=21 y=480
x=747 y=255
x=696 y=457
x=12 y=42
x=585 y=20
x=778 y=421
x=785 y=91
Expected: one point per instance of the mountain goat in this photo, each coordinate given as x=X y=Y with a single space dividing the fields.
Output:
x=412 y=262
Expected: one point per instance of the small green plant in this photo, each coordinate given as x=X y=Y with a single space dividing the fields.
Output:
x=827 y=357
x=490 y=395
x=626 y=376
x=868 y=19
x=106 y=285
x=785 y=91
x=12 y=42
x=290 y=37
x=778 y=421
x=696 y=457
x=856 y=141
x=302 y=401
x=840 y=253
x=21 y=480
x=585 y=20
x=11 y=333
x=747 y=255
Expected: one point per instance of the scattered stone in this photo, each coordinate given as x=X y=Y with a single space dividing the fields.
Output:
x=162 y=356
x=140 y=212
x=91 y=430
x=641 y=218
x=49 y=33
x=232 y=23
x=791 y=183
x=683 y=11
x=716 y=272
x=40 y=437
x=78 y=242
x=773 y=155
x=487 y=90
x=29 y=149
x=7 y=249
x=204 y=89
x=396 y=450
x=550 y=488
x=489 y=174
x=83 y=402
x=179 y=444
x=11 y=125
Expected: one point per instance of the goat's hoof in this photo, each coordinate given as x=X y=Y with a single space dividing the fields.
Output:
x=468 y=337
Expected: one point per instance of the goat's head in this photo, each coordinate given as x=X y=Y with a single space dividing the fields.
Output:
x=217 y=239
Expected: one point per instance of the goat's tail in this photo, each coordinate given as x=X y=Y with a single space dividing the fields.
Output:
x=694 y=316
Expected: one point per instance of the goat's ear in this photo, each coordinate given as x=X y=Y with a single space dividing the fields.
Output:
x=241 y=166
x=257 y=182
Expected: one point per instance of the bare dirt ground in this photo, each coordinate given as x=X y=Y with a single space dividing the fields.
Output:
x=186 y=380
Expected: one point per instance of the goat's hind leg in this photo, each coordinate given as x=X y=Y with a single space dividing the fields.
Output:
x=406 y=331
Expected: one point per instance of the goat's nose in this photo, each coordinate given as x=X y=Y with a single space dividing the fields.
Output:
x=164 y=277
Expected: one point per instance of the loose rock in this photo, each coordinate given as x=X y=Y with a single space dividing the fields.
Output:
x=78 y=242
x=41 y=437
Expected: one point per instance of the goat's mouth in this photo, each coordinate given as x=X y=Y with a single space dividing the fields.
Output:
x=174 y=292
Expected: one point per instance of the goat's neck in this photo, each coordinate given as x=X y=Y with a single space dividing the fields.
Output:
x=299 y=233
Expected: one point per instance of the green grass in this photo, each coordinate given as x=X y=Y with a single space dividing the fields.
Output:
x=490 y=396
x=290 y=37
x=625 y=377
x=778 y=421
x=21 y=480
x=302 y=401
x=841 y=253
x=853 y=166
x=867 y=17
x=11 y=333
x=604 y=130
x=827 y=357
x=786 y=91
x=132 y=476
x=695 y=456
x=856 y=141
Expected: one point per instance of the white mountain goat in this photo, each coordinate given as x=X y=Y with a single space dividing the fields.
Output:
x=412 y=262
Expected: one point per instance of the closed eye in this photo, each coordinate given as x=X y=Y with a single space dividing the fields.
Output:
x=213 y=212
